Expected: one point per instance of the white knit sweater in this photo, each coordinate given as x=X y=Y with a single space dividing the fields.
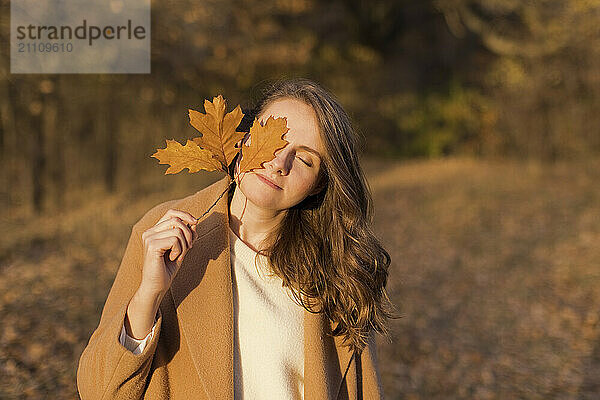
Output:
x=268 y=331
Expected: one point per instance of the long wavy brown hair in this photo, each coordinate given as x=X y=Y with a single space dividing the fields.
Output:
x=324 y=249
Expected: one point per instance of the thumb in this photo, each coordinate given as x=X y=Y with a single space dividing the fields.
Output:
x=194 y=231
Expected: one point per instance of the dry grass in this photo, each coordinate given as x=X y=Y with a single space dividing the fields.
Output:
x=495 y=271
x=496 y=275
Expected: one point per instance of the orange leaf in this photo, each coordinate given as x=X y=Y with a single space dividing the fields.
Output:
x=218 y=129
x=264 y=143
x=190 y=156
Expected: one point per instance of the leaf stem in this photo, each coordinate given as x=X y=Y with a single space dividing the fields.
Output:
x=216 y=201
x=221 y=195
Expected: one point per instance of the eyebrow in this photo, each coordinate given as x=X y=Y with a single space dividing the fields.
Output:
x=310 y=150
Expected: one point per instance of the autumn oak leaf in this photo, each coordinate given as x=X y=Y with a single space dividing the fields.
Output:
x=265 y=141
x=218 y=129
x=216 y=148
x=190 y=156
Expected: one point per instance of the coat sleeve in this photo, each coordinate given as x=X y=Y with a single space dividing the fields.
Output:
x=134 y=345
x=367 y=371
x=107 y=369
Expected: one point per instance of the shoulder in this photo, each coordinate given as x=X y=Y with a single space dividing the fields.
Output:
x=195 y=204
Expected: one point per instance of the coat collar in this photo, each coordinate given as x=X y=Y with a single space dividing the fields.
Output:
x=203 y=287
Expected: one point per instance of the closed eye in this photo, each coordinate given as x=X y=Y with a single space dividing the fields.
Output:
x=305 y=162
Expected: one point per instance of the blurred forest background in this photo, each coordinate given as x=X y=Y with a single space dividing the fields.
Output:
x=481 y=143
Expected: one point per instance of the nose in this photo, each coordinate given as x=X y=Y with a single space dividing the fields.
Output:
x=280 y=163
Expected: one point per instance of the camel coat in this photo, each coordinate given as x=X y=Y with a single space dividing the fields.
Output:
x=191 y=353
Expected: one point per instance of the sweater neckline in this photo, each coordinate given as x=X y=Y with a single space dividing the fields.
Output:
x=236 y=238
x=253 y=262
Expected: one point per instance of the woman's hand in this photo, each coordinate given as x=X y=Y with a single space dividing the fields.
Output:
x=165 y=245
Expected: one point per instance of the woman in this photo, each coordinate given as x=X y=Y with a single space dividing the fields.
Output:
x=275 y=294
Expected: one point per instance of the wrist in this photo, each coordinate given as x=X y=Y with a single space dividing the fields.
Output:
x=148 y=297
x=149 y=291
x=141 y=313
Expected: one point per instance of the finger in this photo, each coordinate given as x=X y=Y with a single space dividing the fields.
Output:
x=161 y=245
x=183 y=215
x=177 y=224
x=176 y=249
x=194 y=229
x=162 y=225
x=158 y=237
x=176 y=252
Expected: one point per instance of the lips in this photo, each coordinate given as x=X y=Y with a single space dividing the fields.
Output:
x=268 y=181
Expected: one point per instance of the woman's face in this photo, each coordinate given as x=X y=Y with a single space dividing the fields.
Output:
x=295 y=168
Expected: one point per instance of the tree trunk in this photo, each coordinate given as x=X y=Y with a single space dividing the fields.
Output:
x=110 y=147
x=8 y=147
x=55 y=141
x=38 y=158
